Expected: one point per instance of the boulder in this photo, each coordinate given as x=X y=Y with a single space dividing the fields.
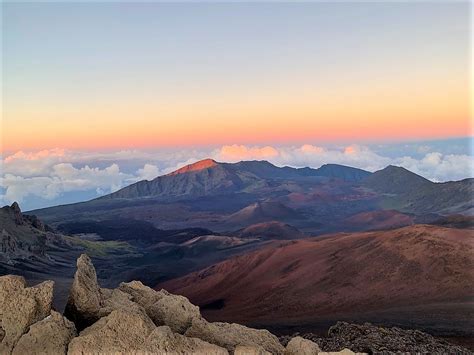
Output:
x=162 y=307
x=342 y=352
x=83 y=304
x=163 y=341
x=21 y=307
x=230 y=336
x=49 y=336
x=115 y=299
x=250 y=350
x=132 y=331
x=301 y=346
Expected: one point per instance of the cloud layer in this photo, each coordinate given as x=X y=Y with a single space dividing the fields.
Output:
x=48 y=175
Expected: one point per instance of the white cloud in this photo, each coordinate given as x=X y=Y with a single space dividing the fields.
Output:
x=148 y=172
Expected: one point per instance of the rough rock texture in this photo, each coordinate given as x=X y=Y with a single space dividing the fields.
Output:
x=162 y=307
x=129 y=331
x=21 y=307
x=342 y=352
x=368 y=338
x=250 y=350
x=301 y=346
x=83 y=304
x=230 y=335
x=49 y=336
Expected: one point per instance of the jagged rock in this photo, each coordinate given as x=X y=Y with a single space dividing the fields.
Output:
x=21 y=307
x=17 y=213
x=48 y=336
x=301 y=346
x=83 y=304
x=132 y=331
x=115 y=299
x=250 y=350
x=162 y=307
x=230 y=335
x=368 y=338
x=163 y=341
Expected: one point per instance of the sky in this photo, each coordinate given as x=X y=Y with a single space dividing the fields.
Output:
x=99 y=95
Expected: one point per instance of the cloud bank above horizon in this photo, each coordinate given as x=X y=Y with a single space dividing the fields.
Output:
x=56 y=176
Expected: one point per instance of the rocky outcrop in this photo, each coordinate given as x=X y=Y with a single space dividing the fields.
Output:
x=230 y=336
x=49 y=336
x=20 y=307
x=83 y=304
x=368 y=338
x=18 y=216
x=301 y=346
x=132 y=331
x=162 y=307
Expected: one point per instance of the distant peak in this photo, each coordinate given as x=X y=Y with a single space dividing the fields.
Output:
x=200 y=165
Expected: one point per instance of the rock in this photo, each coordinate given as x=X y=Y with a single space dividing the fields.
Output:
x=124 y=331
x=48 y=336
x=368 y=338
x=163 y=340
x=113 y=300
x=250 y=350
x=132 y=331
x=301 y=346
x=230 y=335
x=162 y=307
x=83 y=304
x=21 y=307
x=15 y=208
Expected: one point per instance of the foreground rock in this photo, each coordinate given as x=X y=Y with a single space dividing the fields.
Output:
x=371 y=339
x=132 y=331
x=162 y=307
x=20 y=307
x=301 y=346
x=84 y=300
x=231 y=335
x=48 y=336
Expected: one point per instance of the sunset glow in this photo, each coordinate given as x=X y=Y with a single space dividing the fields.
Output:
x=159 y=84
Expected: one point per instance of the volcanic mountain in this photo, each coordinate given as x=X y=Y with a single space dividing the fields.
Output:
x=417 y=272
x=208 y=177
x=225 y=197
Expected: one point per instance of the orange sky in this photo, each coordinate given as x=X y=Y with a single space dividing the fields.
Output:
x=233 y=74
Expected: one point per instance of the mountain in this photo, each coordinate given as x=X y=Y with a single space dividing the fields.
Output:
x=225 y=197
x=408 y=274
x=270 y=230
x=408 y=192
x=208 y=177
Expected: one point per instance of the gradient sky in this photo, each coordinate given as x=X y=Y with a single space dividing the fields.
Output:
x=123 y=75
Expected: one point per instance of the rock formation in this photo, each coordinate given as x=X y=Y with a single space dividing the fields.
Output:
x=134 y=318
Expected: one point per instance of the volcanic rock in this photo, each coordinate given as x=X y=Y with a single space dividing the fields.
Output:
x=301 y=346
x=84 y=297
x=21 y=307
x=162 y=307
x=49 y=336
x=230 y=335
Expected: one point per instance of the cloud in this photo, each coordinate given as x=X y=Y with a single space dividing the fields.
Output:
x=148 y=172
x=48 y=174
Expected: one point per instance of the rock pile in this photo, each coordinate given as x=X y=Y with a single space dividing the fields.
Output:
x=371 y=339
x=135 y=319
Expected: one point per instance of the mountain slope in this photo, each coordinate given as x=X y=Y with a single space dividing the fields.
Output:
x=345 y=274
x=408 y=192
x=208 y=177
